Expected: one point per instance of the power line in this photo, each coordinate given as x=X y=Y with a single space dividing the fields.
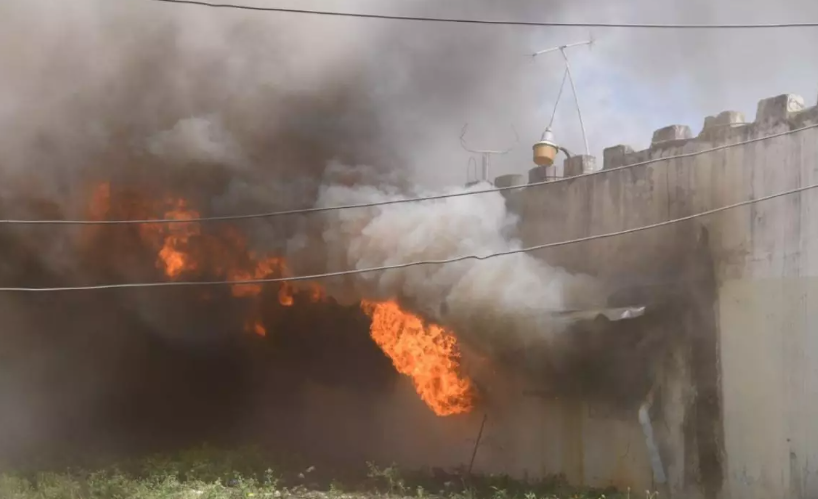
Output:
x=341 y=273
x=495 y=22
x=307 y=211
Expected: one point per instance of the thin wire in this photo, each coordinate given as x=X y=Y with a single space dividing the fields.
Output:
x=576 y=100
x=557 y=102
x=417 y=263
x=306 y=211
x=495 y=22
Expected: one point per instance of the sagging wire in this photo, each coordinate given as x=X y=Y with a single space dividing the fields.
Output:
x=323 y=209
x=341 y=273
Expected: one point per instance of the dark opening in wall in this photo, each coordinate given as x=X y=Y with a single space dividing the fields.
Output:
x=86 y=377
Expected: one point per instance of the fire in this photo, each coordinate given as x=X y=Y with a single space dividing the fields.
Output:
x=257 y=328
x=98 y=209
x=173 y=240
x=270 y=267
x=174 y=256
x=262 y=268
x=184 y=248
x=285 y=295
x=100 y=201
x=427 y=353
x=317 y=293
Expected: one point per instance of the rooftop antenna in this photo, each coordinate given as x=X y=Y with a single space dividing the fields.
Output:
x=546 y=150
x=485 y=157
x=472 y=175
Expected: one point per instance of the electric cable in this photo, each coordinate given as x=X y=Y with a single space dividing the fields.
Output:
x=341 y=273
x=322 y=209
x=549 y=24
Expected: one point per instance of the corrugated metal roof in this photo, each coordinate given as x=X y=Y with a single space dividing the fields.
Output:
x=612 y=314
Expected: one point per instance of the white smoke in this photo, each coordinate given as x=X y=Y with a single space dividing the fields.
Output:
x=197 y=139
x=507 y=300
x=241 y=112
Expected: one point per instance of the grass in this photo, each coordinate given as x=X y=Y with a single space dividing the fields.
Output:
x=211 y=474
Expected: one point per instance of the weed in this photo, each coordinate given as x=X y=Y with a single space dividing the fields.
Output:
x=336 y=487
x=499 y=493
x=391 y=475
x=210 y=474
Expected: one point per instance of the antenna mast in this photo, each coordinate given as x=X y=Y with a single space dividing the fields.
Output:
x=483 y=175
x=569 y=75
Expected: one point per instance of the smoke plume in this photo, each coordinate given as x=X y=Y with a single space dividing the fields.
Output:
x=238 y=112
x=502 y=300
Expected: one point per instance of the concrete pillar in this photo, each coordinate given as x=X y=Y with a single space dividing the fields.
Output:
x=538 y=174
x=577 y=165
x=671 y=133
x=779 y=108
x=613 y=157
x=724 y=119
x=718 y=127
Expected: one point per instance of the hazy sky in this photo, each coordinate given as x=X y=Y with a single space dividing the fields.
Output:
x=631 y=83
x=433 y=78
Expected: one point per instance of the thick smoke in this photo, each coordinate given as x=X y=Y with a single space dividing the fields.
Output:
x=243 y=112
x=503 y=301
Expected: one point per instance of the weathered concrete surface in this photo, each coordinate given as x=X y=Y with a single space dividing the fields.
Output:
x=740 y=390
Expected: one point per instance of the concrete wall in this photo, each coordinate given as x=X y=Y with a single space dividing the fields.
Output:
x=740 y=388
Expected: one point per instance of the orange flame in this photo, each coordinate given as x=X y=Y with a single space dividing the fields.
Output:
x=100 y=201
x=427 y=353
x=317 y=293
x=285 y=295
x=174 y=255
x=267 y=267
x=174 y=239
x=257 y=328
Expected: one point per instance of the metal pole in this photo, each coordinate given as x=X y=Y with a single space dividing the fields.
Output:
x=477 y=444
x=576 y=99
x=562 y=47
x=485 y=154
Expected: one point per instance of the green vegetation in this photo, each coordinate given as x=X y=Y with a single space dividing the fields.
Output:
x=211 y=474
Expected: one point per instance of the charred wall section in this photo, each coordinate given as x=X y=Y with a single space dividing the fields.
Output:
x=86 y=377
x=736 y=288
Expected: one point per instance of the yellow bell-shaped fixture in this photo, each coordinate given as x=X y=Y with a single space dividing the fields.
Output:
x=546 y=150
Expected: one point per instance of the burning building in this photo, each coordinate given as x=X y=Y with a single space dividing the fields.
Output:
x=127 y=112
x=393 y=366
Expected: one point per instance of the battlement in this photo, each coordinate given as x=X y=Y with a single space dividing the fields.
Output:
x=724 y=128
x=744 y=280
x=786 y=110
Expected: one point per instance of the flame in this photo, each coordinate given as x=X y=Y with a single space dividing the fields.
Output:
x=317 y=293
x=426 y=352
x=98 y=209
x=285 y=295
x=100 y=202
x=174 y=256
x=173 y=240
x=263 y=268
x=256 y=327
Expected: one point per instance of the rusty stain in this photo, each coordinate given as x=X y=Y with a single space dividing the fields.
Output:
x=622 y=476
x=573 y=452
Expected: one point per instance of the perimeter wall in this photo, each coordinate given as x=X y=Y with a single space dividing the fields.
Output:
x=739 y=390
